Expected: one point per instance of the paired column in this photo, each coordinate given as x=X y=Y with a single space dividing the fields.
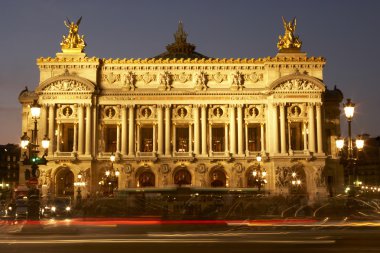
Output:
x=81 y=129
x=275 y=130
x=43 y=123
x=304 y=136
x=174 y=138
x=58 y=137
x=88 y=129
x=160 y=130
x=204 y=130
x=196 y=130
x=240 y=129
x=117 y=138
x=124 y=125
x=131 y=137
x=167 y=130
x=51 y=129
x=262 y=141
x=232 y=130
x=246 y=139
x=226 y=138
x=319 y=129
x=75 y=137
x=282 y=125
x=311 y=128
x=154 y=138
x=190 y=138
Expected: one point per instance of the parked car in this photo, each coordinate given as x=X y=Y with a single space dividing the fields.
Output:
x=57 y=207
x=21 y=209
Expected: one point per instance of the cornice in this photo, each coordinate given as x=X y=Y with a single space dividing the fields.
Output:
x=67 y=60
x=214 y=60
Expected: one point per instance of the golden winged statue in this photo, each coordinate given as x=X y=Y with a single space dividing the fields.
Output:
x=289 y=40
x=73 y=42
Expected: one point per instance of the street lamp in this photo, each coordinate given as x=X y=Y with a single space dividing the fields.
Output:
x=31 y=147
x=350 y=155
x=79 y=183
x=259 y=176
x=111 y=176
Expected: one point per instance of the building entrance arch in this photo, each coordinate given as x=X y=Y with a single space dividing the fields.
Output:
x=218 y=177
x=182 y=177
x=64 y=183
x=146 y=178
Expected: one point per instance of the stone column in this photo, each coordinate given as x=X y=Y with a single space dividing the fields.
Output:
x=131 y=137
x=240 y=129
x=311 y=128
x=81 y=129
x=304 y=136
x=51 y=129
x=174 y=138
x=282 y=124
x=43 y=120
x=88 y=129
x=319 y=128
x=160 y=139
x=138 y=130
x=117 y=138
x=75 y=137
x=262 y=140
x=246 y=139
x=275 y=130
x=210 y=138
x=204 y=130
x=226 y=139
x=190 y=139
x=124 y=129
x=167 y=130
x=196 y=129
x=154 y=138
x=232 y=130
x=58 y=137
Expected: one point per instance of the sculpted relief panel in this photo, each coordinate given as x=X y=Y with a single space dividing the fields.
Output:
x=67 y=85
x=297 y=85
x=164 y=80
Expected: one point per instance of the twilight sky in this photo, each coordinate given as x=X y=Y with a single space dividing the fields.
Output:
x=346 y=33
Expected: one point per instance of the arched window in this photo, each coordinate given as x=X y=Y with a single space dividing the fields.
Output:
x=182 y=177
x=146 y=179
x=218 y=178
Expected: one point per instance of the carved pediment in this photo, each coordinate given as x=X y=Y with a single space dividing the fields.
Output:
x=298 y=83
x=66 y=85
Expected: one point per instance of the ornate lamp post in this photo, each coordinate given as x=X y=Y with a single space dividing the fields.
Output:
x=31 y=147
x=349 y=152
x=79 y=184
x=112 y=176
x=259 y=176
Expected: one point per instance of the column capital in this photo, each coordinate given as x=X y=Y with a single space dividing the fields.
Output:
x=130 y=106
x=203 y=106
x=239 y=106
x=167 y=106
x=319 y=104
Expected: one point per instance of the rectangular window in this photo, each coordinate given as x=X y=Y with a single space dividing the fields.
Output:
x=146 y=138
x=218 y=139
x=296 y=137
x=182 y=139
x=254 y=137
x=67 y=139
x=110 y=138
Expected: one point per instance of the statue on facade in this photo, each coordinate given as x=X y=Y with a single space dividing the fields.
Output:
x=73 y=42
x=289 y=40
x=236 y=81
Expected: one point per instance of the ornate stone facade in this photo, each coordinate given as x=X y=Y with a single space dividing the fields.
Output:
x=199 y=122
